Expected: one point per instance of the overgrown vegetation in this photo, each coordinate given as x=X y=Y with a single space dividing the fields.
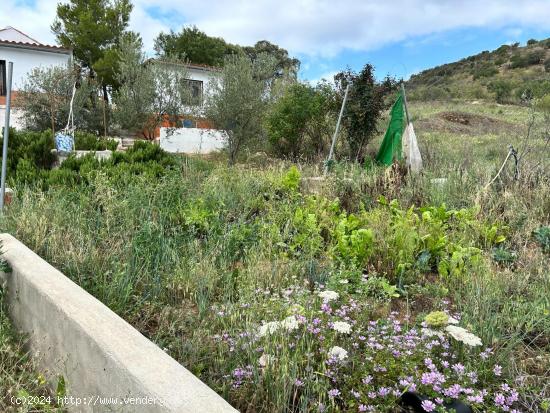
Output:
x=284 y=290
x=285 y=299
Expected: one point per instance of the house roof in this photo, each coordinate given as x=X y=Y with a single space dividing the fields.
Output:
x=11 y=37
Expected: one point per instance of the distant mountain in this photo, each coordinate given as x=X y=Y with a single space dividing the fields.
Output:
x=508 y=74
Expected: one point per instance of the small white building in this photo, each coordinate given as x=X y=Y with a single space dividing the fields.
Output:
x=193 y=133
x=26 y=54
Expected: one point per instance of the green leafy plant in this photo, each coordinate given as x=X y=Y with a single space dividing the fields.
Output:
x=291 y=179
x=542 y=235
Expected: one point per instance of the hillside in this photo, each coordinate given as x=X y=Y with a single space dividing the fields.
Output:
x=508 y=75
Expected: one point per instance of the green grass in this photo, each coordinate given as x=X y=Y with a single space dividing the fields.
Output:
x=19 y=380
x=198 y=256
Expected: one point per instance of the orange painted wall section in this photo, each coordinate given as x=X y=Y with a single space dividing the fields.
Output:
x=13 y=98
x=166 y=123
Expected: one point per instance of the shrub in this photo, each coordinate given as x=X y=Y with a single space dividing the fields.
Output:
x=366 y=102
x=547 y=65
x=291 y=180
x=30 y=151
x=542 y=235
x=486 y=70
x=530 y=58
x=531 y=42
x=503 y=50
x=502 y=90
x=298 y=124
x=90 y=142
x=535 y=57
x=30 y=154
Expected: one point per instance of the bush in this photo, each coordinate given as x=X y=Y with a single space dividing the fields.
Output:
x=297 y=124
x=89 y=142
x=366 y=102
x=503 y=50
x=29 y=151
x=486 y=70
x=30 y=154
x=30 y=159
x=531 y=42
x=531 y=58
x=502 y=90
x=547 y=65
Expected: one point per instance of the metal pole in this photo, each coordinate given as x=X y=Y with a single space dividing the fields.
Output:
x=405 y=102
x=333 y=144
x=6 y=135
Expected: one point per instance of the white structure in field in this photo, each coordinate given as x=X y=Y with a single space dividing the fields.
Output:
x=192 y=140
x=26 y=54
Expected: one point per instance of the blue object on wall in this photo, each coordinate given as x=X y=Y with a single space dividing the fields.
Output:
x=188 y=123
x=64 y=143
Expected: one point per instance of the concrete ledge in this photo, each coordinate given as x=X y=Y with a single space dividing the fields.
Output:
x=99 y=155
x=98 y=353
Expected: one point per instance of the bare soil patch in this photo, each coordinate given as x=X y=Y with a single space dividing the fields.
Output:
x=463 y=123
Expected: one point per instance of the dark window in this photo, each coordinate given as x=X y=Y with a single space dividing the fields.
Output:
x=196 y=91
x=2 y=78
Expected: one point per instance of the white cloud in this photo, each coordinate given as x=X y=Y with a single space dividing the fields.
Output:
x=328 y=76
x=309 y=27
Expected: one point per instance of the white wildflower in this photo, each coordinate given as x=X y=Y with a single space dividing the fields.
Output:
x=290 y=323
x=269 y=328
x=338 y=353
x=266 y=359
x=328 y=295
x=343 y=281
x=463 y=335
x=452 y=320
x=342 y=327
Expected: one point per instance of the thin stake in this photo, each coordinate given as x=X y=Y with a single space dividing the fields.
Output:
x=331 y=152
x=6 y=135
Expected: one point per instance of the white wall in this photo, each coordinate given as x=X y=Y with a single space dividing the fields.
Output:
x=24 y=60
x=16 y=118
x=192 y=140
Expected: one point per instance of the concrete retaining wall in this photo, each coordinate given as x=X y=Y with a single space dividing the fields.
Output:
x=99 y=354
x=192 y=140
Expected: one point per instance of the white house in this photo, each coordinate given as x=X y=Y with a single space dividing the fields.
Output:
x=192 y=133
x=26 y=54
x=198 y=77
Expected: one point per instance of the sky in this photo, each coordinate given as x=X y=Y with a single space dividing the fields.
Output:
x=399 y=37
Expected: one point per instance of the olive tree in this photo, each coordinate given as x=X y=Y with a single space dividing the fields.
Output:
x=152 y=92
x=45 y=98
x=238 y=99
